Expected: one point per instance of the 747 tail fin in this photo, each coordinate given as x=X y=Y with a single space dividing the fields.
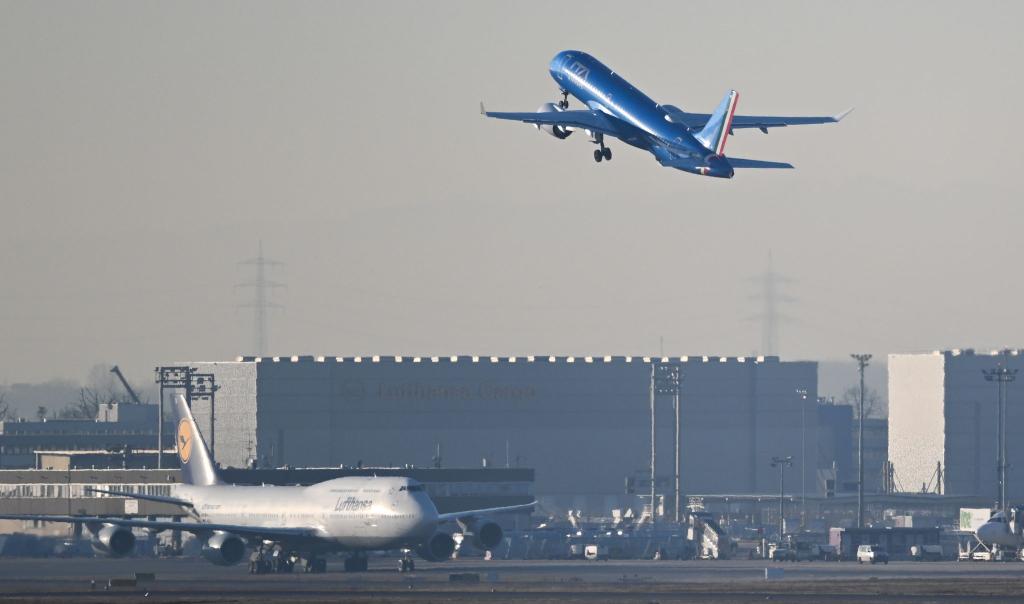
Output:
x=196 y=464
x=718 y=126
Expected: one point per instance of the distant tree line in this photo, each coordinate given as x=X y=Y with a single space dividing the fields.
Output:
x=873 y=406
x=103 y=389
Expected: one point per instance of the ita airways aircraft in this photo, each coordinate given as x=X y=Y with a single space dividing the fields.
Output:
x=351 y=514
x=692 y=142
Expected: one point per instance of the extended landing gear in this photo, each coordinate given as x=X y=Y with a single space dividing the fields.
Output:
x=259 y=564
x=564 y=103
x=357 y=563
x=270 y=560
x=601 y=152
x=406 y=564
x=315 y=565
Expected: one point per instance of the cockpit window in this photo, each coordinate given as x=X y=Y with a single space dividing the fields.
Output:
x=413 y=488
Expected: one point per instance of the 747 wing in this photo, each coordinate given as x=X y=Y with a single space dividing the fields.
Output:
x=247 y=532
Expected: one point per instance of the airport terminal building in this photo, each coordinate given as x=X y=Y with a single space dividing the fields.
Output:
x=942 y=410
x=583 y=423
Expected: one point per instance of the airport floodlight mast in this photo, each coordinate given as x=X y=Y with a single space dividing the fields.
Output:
x=782 y=463
x=862 y=362
x=196 y=386
x=654 y=450
x=665 y=379
x=1002 y=376
x=802 y=393
x=261 y=287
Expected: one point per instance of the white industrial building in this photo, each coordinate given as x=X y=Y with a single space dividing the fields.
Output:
x=943 y=411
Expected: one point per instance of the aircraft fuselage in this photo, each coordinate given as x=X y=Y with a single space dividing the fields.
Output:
x=601 y=89
x=350 y=514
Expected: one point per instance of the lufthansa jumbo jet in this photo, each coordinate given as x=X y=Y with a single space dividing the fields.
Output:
x=352 y=514
x=692 y=142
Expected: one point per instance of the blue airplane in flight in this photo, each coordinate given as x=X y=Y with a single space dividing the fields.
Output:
x=692 y=142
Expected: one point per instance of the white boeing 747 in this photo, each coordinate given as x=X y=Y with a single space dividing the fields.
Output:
x=351 y=514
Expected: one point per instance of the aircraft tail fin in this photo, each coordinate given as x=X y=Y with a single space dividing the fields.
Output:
x=197 y=466
x=719 y=125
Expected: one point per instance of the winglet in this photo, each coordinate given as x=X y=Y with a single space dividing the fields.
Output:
x=482 y=110
x=839 y=116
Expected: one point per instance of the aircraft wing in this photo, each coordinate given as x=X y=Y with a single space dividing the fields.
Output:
x=156 y=498
x=696 y=121
x=586 y=119
x=269 y=533
x=450 y=516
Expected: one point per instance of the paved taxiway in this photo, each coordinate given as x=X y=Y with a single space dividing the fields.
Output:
x=518 y=581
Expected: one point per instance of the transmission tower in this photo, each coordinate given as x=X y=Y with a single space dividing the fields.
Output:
x=771 y=297
x=262 y=287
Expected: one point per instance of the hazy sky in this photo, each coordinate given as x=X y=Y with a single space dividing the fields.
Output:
x=146 y=148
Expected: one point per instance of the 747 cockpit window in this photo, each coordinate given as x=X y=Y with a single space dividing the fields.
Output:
x=412 y=488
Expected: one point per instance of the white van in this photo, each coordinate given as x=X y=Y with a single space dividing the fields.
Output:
x=873 y=554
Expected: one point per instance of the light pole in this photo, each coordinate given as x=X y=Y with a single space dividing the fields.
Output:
x=654 y=449
x=782 y=463
x=665 y=380
x=1002 y=376
x=802 y=393
x=862 y=362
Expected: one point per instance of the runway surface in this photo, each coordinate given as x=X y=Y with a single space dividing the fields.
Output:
x=192 y=580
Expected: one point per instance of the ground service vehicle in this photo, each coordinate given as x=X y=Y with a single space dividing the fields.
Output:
x=873 y=554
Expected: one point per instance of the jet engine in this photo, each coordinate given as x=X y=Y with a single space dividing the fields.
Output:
x=224 y=549
x=439 y=547
x=558 y=132
x=114 y=541
x=483 y=534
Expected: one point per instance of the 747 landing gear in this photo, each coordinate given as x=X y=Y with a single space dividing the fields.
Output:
x=406 y=564
x=564 y=103
x=317 y=565
x=357 y=562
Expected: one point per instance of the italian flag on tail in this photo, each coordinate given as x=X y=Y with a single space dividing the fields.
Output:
x=716 y=130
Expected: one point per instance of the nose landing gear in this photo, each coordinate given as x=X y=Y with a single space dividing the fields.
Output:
x=564 y=103
x=406 y=564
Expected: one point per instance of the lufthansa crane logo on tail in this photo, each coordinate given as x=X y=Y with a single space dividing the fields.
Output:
x=184 y=440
